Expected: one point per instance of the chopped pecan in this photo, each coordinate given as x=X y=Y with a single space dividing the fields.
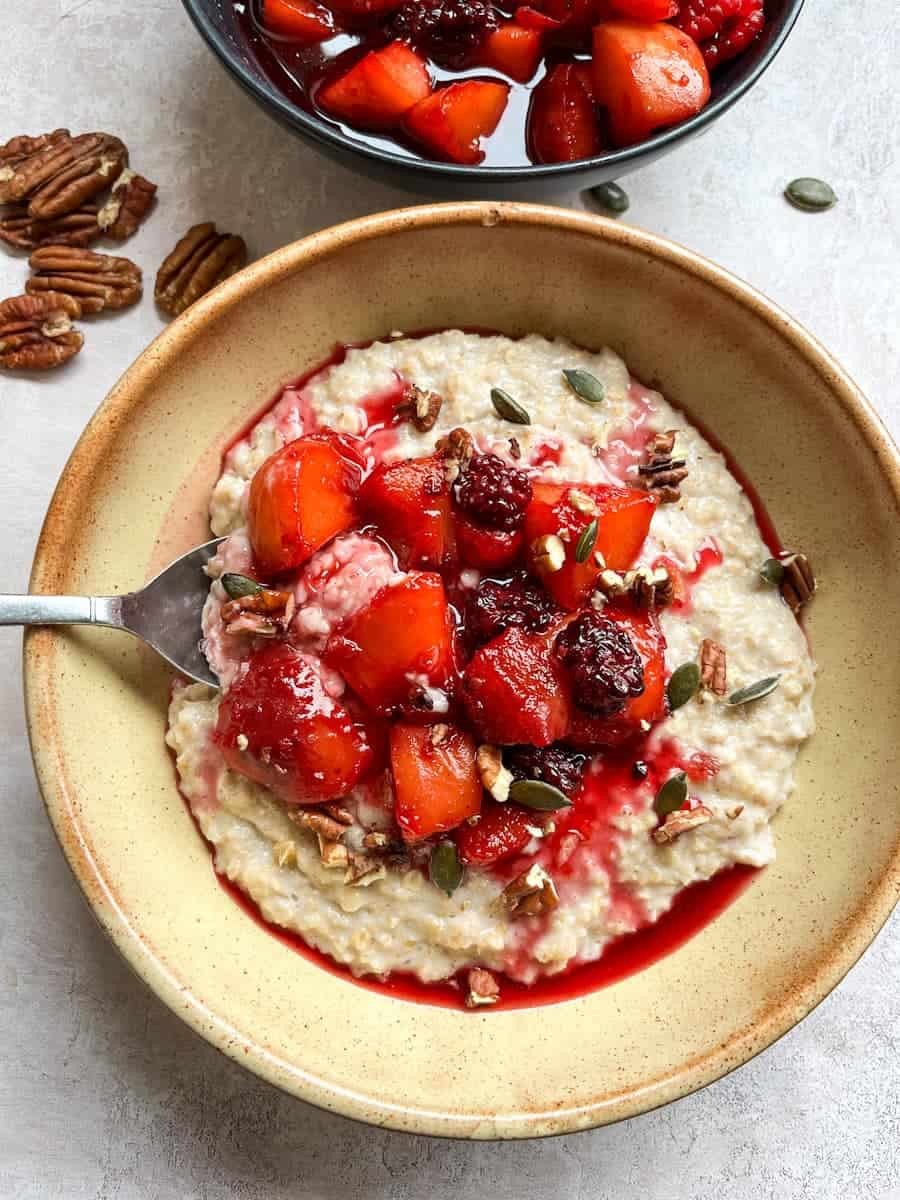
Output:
x=548 y=554
x=495 y=777
x=679 y=822
x=97 y=281
x=128 y=204
x=568 y=844
x=23 y=232
x=25 y=162
x=439 y=734
x=265 y=613
x=82 y=169
x=420 y=407
x=661 y=473
x=333 y=855
x=515 y=450
x=326 y=828
x=363 y=869
x=531 y=893
x=483 y=988
x=337 y=812
x=285 y=853
x=647 y=586
x=582 y=502
x=713 y=667
x=201 y=260
x=456 y=447
x=375 y=839
x=36 y=331
x=798 y=584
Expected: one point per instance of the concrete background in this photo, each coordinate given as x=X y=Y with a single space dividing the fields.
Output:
x=103 y=1094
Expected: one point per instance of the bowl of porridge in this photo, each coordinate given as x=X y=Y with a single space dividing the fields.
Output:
x=543 y=618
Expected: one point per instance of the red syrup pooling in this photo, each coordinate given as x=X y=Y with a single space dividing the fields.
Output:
x=609 y=784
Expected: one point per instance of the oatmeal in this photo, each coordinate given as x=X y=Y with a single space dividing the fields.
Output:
x=444 y=741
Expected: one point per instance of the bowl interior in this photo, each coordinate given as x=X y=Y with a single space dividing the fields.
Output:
x=134 y=494
x=218 y=23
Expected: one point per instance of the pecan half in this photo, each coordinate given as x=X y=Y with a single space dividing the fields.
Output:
x=78 y=228
x=661 y=473
x=82 y=168
x=97 y=281
x=201 y=260
x=266 y=613
x=679 y=822
x=713 y=667
x=36 y=331
x=483 y=988
x=799 y=583
x=531 y=893
x=128 y=204
x=420 y=407
x=25 y=162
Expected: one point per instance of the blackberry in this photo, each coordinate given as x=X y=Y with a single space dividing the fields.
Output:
x=605 y=668
x=493 y=494
x=556 y=765
x=448 y=31
x=497 y=605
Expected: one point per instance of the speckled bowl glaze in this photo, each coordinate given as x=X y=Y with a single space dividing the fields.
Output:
x=134 y=493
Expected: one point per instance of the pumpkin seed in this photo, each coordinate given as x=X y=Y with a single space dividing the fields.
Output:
x=586 y=542
x=587 y=387
x=810 y=195
x=754 y=691
x=445 y=869
x=683 y=685
x=507 y=408
x=239 y=585
x=671 y=795
x=772 y=571
x=534 y=793
x=611 y=197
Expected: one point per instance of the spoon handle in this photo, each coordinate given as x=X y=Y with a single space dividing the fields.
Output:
x=61 y=610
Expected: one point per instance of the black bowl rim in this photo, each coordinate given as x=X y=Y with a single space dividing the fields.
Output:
x=626 y=159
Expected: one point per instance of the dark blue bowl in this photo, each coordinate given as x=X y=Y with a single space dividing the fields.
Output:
x=216 y=21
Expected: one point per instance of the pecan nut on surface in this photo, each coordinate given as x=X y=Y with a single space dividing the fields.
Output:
x=661 y=473
x=62 y=174
x=201 y=260
x=27 y=162
x=97 y=281
x=129 y=202
x=23 y=232
x=36 y=332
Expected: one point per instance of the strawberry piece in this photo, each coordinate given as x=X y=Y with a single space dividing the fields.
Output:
x=533 y=18
x=501 y=830
x=585 y=73
x=586 y=731
x=735 y=35
x=648 y=77
x=623 y=519
x=487 y=549
x=410 y=503
x=397 y=647
x=562 y=124
x=645 y=10
x=379 y=89
x=516 y=691
x=436 y=782
x=452 y=120
x=300 y=20
x=513 y=49
x=300 y=498
x=301 y=743
x=702 y=19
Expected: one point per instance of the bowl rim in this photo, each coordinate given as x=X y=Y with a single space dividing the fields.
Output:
x=626 y=159
x=57 y=531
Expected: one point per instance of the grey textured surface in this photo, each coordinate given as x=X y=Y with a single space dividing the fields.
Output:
x=103 y=1093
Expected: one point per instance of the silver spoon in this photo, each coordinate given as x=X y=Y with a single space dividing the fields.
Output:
x=165 y=614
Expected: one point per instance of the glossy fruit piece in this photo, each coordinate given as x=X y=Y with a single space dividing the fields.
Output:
x=398 y=646
x=436 y=783
x=562 y=123
x=623 y=519
x=379 y=89
x=487 y=549
x=735 y=35
x=530 y=17
x=301 y=497
x=586 y=731
x=409 y=502
x=501 y=830
x=513 y=50
x=516 y=692
x=305 y=746
x=702 y=19
x=302 y=21
x=452 y=121
x=648 y=77
x=645 y=10
x=364 y=8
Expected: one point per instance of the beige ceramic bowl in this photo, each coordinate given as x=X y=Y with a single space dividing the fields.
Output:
x=134 y=494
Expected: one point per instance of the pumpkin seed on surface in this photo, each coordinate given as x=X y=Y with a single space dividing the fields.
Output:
x=754 y=691
x=587 y=387
x=507 y=408
x=445 y=870
x=810 y=195
x=772 y=571
x=239 y=585
x=671 y=795
x=683 y=685
x=611 y=196
x=534 y=793
x=587 y=541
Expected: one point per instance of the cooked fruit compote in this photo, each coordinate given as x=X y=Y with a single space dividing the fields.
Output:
x=472 y=81
x=501 y=676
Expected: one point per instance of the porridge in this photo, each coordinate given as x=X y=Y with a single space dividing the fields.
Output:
x=506 y=663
